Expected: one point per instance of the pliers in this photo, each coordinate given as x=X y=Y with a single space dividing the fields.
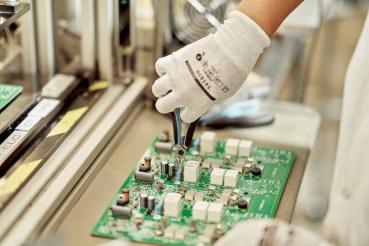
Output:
x=182 y=142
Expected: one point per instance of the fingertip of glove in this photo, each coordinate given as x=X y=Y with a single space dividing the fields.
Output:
x=161 y=65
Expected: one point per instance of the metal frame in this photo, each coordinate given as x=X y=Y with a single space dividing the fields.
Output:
x=45 y=37
x=105 y=29
x=57 y=177
x=88 y=36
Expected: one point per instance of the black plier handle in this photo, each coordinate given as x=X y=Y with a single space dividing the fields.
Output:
x=182 y=142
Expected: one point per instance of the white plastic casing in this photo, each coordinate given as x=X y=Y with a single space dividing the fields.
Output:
x=57 y=85
x=199 y=210
x=215 y=212
x=217 y=176
x=231 y=147
x=172 y=204
x=207 y=141
x=244 y=148
x=191 y=171
x=230 y=178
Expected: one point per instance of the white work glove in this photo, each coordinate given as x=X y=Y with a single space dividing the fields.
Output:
x=209 y=70
x=269 y=232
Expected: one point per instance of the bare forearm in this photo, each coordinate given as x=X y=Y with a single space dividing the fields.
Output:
x=268 y=14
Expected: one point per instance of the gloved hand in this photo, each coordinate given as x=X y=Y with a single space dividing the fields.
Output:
x=209 y=70
x=268 y=232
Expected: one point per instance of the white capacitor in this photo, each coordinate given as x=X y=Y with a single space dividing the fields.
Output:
x=230 y=178
x=172 y=204
x=214 y=213
x=199 y=210
x=207 y=141
x=244 y=149
x=231 y=147
x=191 y=171
x=217 y=176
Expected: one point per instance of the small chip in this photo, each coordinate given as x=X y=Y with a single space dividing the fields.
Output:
x=199 y=196
x=206 y=164
x=216 y=163
x=189 y=196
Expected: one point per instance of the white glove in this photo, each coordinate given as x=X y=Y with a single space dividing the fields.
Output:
x=209 y=70
x=269 y=232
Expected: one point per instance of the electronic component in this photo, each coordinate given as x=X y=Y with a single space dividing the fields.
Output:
x=125 y=193
x=199 y=210
x=123 y=212
x=164 y=147
x=224 y=199
x=216 y=163
x=231 y=147
x=146 y=165
x=164 y=136
x=217 y=176
x=151 y=203
x=144 y=176
x=239 y=166
x=171 y=170
x=206 y=164
x=199 y=196
x=256 y=171
x=244 y=149
x=172 y=204
x=164 y=168
x=208 y=234
x=121 y=201
x=191 y=171
x=190 y=194
x=214 y=213
x=230 y=178
x=207 y=142
x=170 y=231
x=180 y=233
x=143 y=200
x=159 y=207
x=242 y=204
x=159 y=186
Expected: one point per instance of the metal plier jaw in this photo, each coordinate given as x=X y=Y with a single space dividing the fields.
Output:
x=182 y=142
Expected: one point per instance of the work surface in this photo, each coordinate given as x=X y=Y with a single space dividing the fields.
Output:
x=77 y=224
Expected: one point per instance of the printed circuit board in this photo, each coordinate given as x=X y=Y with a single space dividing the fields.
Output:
x=196 y=200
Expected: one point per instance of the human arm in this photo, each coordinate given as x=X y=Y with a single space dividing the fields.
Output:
x=213 y=68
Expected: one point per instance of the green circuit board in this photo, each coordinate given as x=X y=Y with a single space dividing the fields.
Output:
x=262 y=192
x=8 y=93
